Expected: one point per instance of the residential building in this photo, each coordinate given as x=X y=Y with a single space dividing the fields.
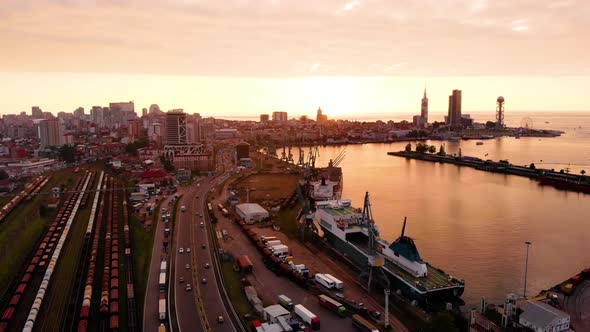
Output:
x=279 y=116
x=133 y=128
x=36 y=112
x=264 y=118
x=50 y=133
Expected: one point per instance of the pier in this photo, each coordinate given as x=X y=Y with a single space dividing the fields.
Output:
x=565 y=181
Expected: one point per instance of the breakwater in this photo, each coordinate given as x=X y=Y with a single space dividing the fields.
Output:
x=560 y=180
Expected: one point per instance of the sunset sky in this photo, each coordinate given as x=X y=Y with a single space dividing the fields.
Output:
x=245 y=57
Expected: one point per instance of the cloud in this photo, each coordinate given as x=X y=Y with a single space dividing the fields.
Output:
x=282 y=38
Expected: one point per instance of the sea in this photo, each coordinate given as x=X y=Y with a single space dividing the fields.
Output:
x=474 y=224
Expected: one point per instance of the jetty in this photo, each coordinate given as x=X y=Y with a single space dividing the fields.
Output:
x=560 y=180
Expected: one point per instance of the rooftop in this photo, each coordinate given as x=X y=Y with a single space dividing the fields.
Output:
x=249 y=208
x=541 y=314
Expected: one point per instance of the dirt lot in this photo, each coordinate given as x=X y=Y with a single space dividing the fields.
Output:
x=266 y=189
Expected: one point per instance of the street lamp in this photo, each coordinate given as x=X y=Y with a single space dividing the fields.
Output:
x=526 y=266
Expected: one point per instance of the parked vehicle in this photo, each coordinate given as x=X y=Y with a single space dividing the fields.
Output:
x=337 y=283
x=322 y=280
x=307 y=316
x=332 y=305
x=285 y=302
x=362 y=324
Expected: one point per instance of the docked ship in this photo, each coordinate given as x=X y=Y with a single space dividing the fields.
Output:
x=326 y=183
x=347 y=230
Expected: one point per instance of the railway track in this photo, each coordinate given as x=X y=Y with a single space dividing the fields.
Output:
x=41 y=266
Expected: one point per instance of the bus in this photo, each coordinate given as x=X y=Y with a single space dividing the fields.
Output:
x=220 y=207
x=362 y=324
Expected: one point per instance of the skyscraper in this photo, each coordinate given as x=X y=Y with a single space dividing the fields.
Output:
x=176 y=127
x=264 y=118
x=424 y=109
x=454 y=115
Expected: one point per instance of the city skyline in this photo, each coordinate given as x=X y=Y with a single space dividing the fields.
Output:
x=346 y=56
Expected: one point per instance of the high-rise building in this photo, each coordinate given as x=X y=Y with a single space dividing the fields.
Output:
x=264 y=118
x=36 y=112
x=279 y=116
x=154 y=109
x=176 y=127
x=122 y=106
x=79 y=112
x=424 y=109
x=50 y=133
x=454 y=114
x=144 y=112
x=133 y=128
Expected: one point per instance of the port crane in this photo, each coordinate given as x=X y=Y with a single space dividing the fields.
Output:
x=374 y=268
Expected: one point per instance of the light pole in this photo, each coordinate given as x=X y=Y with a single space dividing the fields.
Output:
x=526 y=266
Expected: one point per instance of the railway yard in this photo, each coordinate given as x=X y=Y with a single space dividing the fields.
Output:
x=78 y=274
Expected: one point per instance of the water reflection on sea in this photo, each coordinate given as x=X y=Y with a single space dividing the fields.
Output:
x=474 y=224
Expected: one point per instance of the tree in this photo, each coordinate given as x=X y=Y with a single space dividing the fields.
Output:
x=583 y=172
x=532 y=166
x=409 y=147
x=67 y=153
x=441 y=150
x=3 y=175
x=421 y=148
x=432 y=149
x=490 y=124
x=167 y=163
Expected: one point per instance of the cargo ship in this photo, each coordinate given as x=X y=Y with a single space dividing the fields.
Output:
x=326 y=183
x=346 y=229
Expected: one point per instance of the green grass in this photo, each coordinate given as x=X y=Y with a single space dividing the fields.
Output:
x=23 y=227
x=286 y=219
x=142 y=242
x=233 y=287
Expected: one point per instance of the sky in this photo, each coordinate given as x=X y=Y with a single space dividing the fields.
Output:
x=246 y=57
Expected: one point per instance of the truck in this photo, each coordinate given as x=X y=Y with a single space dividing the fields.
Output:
x=322 y=280
x=162 y=309
x=337 y=283
x=280 y=250
x=332 y=305
x=273 y=243
x=265 y=239
x=136 y=197
x=285 y=302
x=307 y=316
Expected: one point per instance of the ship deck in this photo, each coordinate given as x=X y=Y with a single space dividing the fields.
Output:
x=436 y=279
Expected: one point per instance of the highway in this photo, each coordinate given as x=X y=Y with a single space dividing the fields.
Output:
x=150 y=308
x=190 y=233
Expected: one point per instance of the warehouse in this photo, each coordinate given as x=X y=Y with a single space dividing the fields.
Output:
x=251 y=212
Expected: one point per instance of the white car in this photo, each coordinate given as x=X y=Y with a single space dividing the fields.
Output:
x=188 y=249
x=180 y=250
x=188 y=287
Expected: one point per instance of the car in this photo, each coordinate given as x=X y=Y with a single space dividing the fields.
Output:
x=204 y=280
x=220 y=319
x=203 y=246
x=180 y=251
x=202 y=224
x=188 y=287
x=207 y=265
x=188 y=249
x=187 y=266
x=181 y=279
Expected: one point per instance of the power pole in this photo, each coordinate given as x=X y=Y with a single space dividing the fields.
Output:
x=526 y=266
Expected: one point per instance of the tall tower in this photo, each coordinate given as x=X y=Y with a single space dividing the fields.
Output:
x=424 y=109
x=454 y=117
x=500 y=112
